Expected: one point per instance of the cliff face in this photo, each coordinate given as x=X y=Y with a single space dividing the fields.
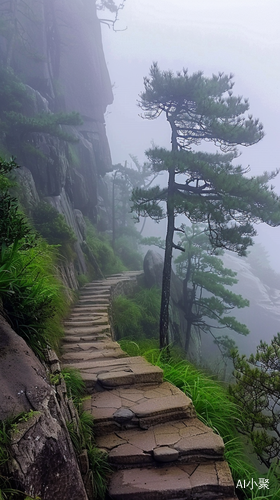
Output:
x=55 y=48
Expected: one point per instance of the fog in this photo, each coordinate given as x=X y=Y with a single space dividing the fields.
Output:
x=236 y=37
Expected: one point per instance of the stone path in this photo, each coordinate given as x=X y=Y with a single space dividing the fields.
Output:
x=157 y=447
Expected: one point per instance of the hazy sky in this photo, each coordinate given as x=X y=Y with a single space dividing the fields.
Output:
x=233 y=36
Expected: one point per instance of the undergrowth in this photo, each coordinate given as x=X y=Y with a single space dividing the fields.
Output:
x=137 y=317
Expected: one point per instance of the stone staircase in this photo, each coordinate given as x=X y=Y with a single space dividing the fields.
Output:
x=157 y=447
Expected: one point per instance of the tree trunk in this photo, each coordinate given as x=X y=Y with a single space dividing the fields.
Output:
x=166 y=277
x=167 y=266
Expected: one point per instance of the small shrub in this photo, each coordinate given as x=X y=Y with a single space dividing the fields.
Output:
x=126 y=318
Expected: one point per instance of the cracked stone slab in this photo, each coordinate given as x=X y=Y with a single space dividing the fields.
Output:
x=137 y=373
x=98 y=346
x=127 y=454
x=199 y=482
x=207 y=443
x=165 y=454
x=91 y=354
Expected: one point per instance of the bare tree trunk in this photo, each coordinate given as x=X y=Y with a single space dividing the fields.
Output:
x=166 y=277
x=167 y=266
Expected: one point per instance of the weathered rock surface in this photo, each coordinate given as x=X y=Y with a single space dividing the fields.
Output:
x=44 y=463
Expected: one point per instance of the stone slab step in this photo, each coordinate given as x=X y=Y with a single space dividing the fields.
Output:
x=127 y=364
x=91 y=309
x=196 y=481
x=94 y=300
x=84 y=317
x=96 y=320
x=86 y=330
x=88 y=309
x=98 y=346
x=97 y=337
x=182 y=441
x=139 y=406
x=104 y=291
x=105 y=374
x=92 y=354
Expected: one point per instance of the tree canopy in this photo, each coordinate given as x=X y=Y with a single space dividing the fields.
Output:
x=204 y=187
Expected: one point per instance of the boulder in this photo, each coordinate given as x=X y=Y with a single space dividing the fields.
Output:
x=153 y=267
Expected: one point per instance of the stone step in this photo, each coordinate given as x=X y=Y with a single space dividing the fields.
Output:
x=98 y=346
x=93 y=294
x=141 y=406
x=90 y=309
x=83 y=317
x=97 y=337
x=108 y=374
x=195 y=481
x=92 y=354
x=182 y=441
x=98 y=319
x=86 y=330
x=94 y=301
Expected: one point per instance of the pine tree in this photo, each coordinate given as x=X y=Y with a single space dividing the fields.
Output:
x=206 y=301
x=257 y=391
x=204 y=187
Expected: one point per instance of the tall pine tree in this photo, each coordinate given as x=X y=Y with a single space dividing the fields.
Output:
x=204 y=187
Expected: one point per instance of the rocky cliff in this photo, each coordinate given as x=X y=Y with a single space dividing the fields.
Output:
x=52 y=64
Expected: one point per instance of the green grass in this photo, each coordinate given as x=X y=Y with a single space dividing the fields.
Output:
x=32 y=294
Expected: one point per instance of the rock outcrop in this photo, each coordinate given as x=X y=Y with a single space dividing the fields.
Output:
x=43 y=460
x=58 y=56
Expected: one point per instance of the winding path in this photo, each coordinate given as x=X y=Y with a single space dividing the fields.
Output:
x=157 y=447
